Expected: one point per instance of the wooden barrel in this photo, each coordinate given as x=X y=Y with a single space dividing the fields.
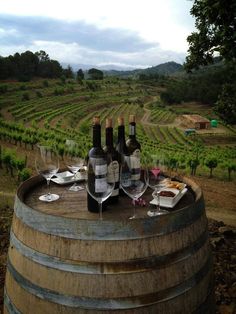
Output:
x=63 y=259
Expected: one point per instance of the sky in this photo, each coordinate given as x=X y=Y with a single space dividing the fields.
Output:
x=102 y=33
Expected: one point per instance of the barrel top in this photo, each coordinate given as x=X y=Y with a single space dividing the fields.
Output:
x=74 y=204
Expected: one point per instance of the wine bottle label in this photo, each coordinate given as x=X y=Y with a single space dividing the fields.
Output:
x=100 y=170
x=113 y=175
x=113 y=172
x=100 y=185
x=135 y=164
x=126 y=179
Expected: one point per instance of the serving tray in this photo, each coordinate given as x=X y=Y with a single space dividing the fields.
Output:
x=67 y=177
x=170 y=202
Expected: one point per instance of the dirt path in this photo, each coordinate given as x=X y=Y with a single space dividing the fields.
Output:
x=146 y=117
x=219 y=198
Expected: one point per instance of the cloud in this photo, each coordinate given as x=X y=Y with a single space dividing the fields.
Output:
x=165 y=22
x=76 y=54
x=79 y=42
x=29 y=29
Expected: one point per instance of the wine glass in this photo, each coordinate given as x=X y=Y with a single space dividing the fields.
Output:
x=100 y=184
x=74 y=162
x=156 y=180
x=47 y=164
x=133 y=180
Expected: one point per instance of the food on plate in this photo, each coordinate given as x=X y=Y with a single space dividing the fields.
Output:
x=167 y=194
x=176 y=185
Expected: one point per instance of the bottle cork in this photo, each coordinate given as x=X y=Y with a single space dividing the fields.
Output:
x=96 y=120
x=120 y=121
x=108 y=123
x=131 y=118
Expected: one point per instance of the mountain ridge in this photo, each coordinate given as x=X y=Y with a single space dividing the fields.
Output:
x=166 y=68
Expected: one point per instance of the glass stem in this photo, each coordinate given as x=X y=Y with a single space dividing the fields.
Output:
x=158 y=201
x=134 y=207
x=48 y=184
x=74 y=178
x=100 y=210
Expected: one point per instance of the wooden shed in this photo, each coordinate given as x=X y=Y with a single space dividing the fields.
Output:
x=195 y=121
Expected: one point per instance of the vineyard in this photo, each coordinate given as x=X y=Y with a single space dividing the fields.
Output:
x=53 y=111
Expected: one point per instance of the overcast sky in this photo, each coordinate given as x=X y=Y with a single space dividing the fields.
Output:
x=128 y=33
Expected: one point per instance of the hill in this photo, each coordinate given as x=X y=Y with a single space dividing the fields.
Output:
x=167 y=68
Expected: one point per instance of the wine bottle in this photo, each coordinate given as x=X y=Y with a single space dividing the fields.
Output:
x=134 y=148
x=121 y=144
x=113 y=167
x=96 y=152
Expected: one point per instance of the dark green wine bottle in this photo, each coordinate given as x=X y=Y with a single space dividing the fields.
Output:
x=114 y=166
x=96 y=152
x=134 y=148
x=121 y=144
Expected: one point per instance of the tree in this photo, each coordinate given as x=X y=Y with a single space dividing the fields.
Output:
x=226 y=105
x=230 y=166
x=194 y=159
x=193 y=163
x=80 y=75
x=49 y=68
x=55 y=69
x=211 y=162
x=42 y=56
x=95 y=74
x=68 y=72
x=28 y=64
x=4 y=70
x=216 y=29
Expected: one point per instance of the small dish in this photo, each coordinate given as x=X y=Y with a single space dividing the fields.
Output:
x=67 y=177
x=170 y=202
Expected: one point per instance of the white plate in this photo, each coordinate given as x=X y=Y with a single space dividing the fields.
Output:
x=67 y=177
x=170 y=202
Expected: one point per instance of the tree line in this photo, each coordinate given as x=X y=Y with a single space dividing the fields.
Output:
x=27 y=65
